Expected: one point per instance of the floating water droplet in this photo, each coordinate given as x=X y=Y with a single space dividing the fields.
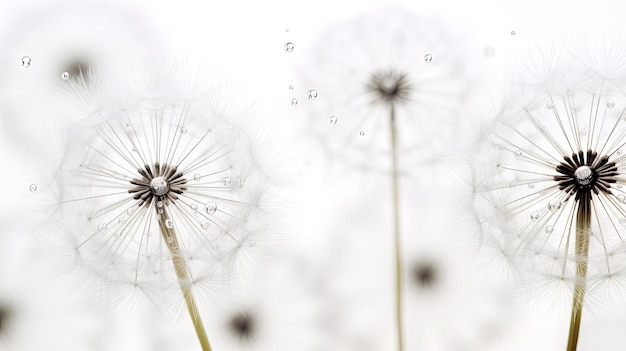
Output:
x=428 y=58
x=289 y=47
x=252 y=243
x=183 y=130
x=193 y=207
x=550 y=105
x=311 y=94
x=534 y=216
x=294 y=102
x=159 y=203
x=610 y=104
x=160 y=211
x=518 y=153
x=130 y=211
x=65 y=75
x=621 y=197
x=85 y=164
x=622 y=221
x=205 y=224
x=332 y=120
x=197 y=177
x=512 y=185
x=210 y=207
x=226 y=181
x=513 y=33
x=134 y=149
x=619 y=151
x=170 y=239
x=531 y=185
x=555 y=205
x=286 y=29
x=26 y=61
x=549 y=229
x=169 y=223
x=129 y=124
x=291 y=87
x=32 y=188
x=362 y=133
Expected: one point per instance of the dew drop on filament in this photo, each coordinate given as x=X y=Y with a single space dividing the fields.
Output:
x=428 y=58
x=289 y=47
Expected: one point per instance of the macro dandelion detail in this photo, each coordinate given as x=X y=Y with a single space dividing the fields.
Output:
x=162 y=193
x=549 y=172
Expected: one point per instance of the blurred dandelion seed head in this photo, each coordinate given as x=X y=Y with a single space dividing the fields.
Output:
x=388 y=58
x=242 y=325
x=554 y=146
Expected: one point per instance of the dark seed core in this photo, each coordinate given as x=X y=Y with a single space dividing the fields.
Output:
x=586 y=173
x=157 y=183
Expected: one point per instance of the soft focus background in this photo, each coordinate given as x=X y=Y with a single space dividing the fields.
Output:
x=330 y=288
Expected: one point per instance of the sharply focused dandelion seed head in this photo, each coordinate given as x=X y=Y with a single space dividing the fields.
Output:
x=556 y=149
x=379 y=60
x=156 y=179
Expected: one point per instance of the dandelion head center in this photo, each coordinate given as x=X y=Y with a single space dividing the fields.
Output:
x=585 y=173
x=159 y=186
x=389 y=86
x=157 y=183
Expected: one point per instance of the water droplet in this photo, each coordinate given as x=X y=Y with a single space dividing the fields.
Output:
x=518 y=153
x=169 y=223
x=193 y=207
x=197 y=177
x=85 y=164
x=622 y=221
x=118 y=234
x=205 y=224
x=26 y=61
x=534 y=216
x=610 y=104
x=252 y=243
x=121 y=220
x=362 y=133
x=549 y=229
x=65 y=75
x=555 y=205
x=311 y=94
x=550 y=105
x=512 y=185
x=169 y=238
x=428 y=58
x=215 y=246
x=160 y=211
x=294 y=102
x=531 y=185
x=286 y=29
x=159 y=203
x=619 y=151
x=226 y=181
x=130 y=211
x=332 y=120
x=583 y=175
x=129 y=124
x=210 y=207
x=32 y=188
x=102 y=226
x=291 y=87
x=183 y=130
x=134 y=149
x=513 y=33
x=289 y=47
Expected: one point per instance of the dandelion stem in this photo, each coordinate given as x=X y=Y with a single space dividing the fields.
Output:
x=169 y=236
x=583 y=230
x=396 y=225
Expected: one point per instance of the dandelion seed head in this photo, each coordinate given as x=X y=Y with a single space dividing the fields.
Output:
x=552 y=151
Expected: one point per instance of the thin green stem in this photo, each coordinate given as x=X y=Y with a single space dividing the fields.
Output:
x=169 y=236
x=583 y=230
x=396 y=226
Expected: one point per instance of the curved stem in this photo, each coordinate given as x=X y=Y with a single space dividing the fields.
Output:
x=583 y=230
x=396 y=226
x=169 y=236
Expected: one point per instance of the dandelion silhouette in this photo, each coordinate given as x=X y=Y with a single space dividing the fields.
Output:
x=387 y=87
x=161 y=191
x=549 y=177
x=243 y=326
x=424 y=274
